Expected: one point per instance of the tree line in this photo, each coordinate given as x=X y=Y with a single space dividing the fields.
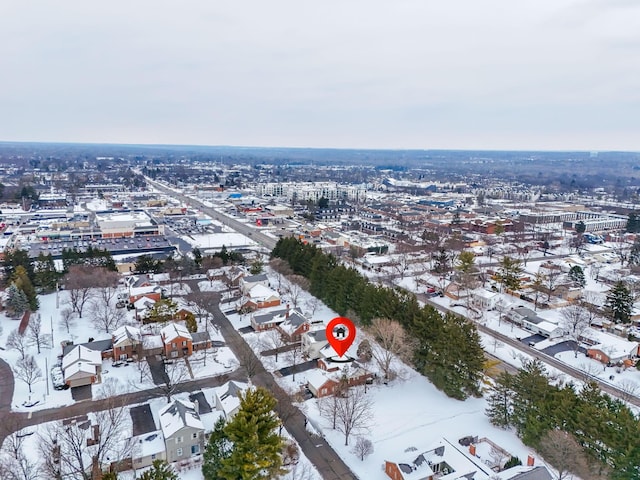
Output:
x=446 y=348
x=579 y=430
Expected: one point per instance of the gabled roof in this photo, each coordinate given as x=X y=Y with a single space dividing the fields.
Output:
x=200 y=337
x=256 y=278
x=228 y=395
x=81 y=354
x=98 y=346
x=79 y=369
x=177 y=415
x=173 y=331
x=269 y=317
x=126 y=332
x=260 y=292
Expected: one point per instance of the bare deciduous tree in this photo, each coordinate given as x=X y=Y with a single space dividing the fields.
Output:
x=106 y=285
x=34 y=333
x=390 y=341
x=105 y=317
x=79 y=282
x=629 y=389
x=67 y=318
x=552 y=274
x=18 y=342
x=297 y=285
x=362 y=448
x=294 y=356
x=27 y=370
x=566 y=455
x=173 y=374
x=354 y=412
x=71 y=448
x=275 y=341
x=575 y=320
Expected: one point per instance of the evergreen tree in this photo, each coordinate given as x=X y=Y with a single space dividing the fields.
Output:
x=509 y=273
x=217 y=449
x=531 y=388
x=576 y=275
x=633 y=223
x=634 y=254
x=46 y=276
x=255 y=454
x=147 y=264
x=21 y=280
x=17 y=302
x=441 y=262
x=580 y=227
x=16 y=258
x=160 y=470
x=619 y=303
x=500 y=400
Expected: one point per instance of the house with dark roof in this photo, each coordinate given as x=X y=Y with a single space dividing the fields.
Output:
x=227 y=397
x=267 y=321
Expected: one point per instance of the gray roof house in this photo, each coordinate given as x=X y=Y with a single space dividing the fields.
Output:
x=182 y=429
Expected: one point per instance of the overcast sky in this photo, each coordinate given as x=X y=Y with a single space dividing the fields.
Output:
x=468 y=74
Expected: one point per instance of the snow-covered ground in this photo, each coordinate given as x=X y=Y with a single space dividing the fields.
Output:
x=215 y=241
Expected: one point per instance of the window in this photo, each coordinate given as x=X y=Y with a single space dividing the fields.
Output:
x=173 y=345
x=179 y=439
x=174 y=354
x=123 y=356
x=184 y=343
x=195 y=449
x=179 y=452
x=194 y=435
x=153 y=456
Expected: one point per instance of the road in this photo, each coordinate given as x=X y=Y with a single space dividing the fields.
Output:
x=240 y=227
x=317 y=450
x=549 y=360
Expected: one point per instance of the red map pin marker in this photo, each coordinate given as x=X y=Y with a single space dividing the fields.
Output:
x=341 y=332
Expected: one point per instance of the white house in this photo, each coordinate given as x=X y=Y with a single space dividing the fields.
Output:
x=227 y=397
x=82 y=366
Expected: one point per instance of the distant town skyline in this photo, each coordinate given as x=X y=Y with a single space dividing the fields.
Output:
x=371 y=74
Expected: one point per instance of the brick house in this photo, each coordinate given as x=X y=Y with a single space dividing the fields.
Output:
x=126 y=342
x=177 y=341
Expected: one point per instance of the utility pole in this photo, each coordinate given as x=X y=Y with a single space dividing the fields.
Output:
x=46 y=368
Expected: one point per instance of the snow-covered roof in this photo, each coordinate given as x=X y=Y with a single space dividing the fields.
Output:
x=148 y=444
x=177 y=415
x=125 y=332
x=419 y=465
x=76 y=368
x=614 y=346
x=173 y=331
x=259 y=292
x=81 y=354
x=228 y=395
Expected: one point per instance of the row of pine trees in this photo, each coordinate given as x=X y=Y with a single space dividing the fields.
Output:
x=446 y=348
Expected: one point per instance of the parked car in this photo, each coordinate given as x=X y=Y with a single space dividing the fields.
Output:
x=57 y=379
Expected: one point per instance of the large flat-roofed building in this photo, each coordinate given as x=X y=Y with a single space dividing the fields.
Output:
x=127 y=224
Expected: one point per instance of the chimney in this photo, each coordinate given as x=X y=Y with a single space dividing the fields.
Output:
x=286 y=315
x=196 y=406
x=530 y=460
x=472 y=449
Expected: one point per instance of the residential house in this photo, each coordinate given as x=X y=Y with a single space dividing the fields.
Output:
x=250 y=281
x=234 y=275
x=293 y=325
x=260 y=297
x=182 y=429
x=148 y=440
x=227 y=397
x=327 y=378
x=82 y=366
x=105 y=347
x=442 y=462
x=147 y=448
x=177 y=340
x=529 y=320
x=607 y=348
x=267 y=321
x=313 y=341
x=201 y=340
x=484 y=300
x=127 y=342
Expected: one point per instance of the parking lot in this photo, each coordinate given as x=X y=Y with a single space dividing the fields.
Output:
x=117 y=246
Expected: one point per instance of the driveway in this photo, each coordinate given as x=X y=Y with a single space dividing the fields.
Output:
x=533 y=339
x=566 y=346
x=81 y=393
x=6 y=385
x=142 y=419
x=301 y=367
x=156 y=368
